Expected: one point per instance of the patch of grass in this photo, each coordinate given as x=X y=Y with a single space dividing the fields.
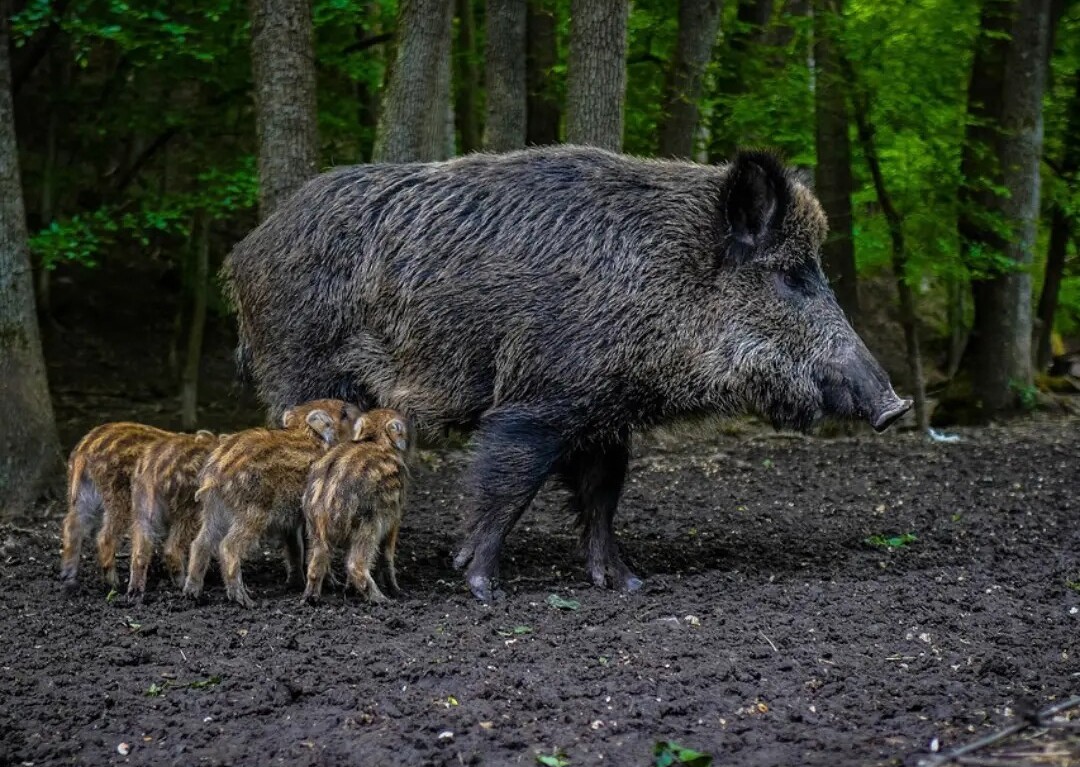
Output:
x=891 y=542
x=1074 y=585
x=113 y=594
x=155 y=690
x=515 y=631
x=668 y=753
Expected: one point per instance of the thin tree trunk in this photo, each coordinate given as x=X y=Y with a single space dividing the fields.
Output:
x=283 y=69
x=467 y=79
x=596 y=73
x=957 y=292
x=908 y=312
x=699 y=21
x=30 y=462
x=412 y=126
x=189 y=384
x=1060 y=231
x=505 y=124
x=542 y=107
x=832 y=178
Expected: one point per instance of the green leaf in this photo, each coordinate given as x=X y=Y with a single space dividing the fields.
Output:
x=667 y=753
x=892 y=542
x=204 y=683
x=562 y=604
x=553 y=760
x=155 y=690
x=515 y=631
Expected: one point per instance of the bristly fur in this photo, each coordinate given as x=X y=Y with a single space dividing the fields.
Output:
x=552 y=299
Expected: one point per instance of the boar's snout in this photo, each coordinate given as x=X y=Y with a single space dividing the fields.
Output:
x=857 y=387
x=889 y=412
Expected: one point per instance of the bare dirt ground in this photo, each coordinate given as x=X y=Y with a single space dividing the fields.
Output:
x=771 y=631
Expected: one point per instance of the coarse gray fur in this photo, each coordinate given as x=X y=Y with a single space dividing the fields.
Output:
x=553 y=299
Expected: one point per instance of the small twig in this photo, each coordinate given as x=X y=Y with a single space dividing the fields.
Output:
x=996 y=737
x=978 y=761
x=769 y=641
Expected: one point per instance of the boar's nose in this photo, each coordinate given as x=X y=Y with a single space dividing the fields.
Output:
x=888 y=411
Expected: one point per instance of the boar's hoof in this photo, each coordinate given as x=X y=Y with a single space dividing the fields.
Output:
x=310 y=598
x=241 y=597
x=621 y=578
x=134 y=598
x=482 y=587
x=69 y=583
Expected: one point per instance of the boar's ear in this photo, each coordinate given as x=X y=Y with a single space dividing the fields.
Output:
x=288 y=418
x=398 y=433
x=359 y=428
x=322 y=424
x=756 y=200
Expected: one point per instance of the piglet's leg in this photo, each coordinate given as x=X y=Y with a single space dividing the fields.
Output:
x=385 y=574
x=147 y=530
x=595 y=477
x=515 y=451
x=294 y=557
x=362 y=555
x=216 y=520
x=114 y=525
x=234 y=547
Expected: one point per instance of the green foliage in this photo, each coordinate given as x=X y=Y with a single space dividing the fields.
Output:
x=154 y=115
x=891 y=542
x=1026 y=394
x=668 y=753
x=556 y=759
x=561 y=603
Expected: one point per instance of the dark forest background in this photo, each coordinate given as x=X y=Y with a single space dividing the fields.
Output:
x=942 y=136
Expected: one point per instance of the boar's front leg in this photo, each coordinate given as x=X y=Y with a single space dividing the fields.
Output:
x=515 y=450
x=595 y=476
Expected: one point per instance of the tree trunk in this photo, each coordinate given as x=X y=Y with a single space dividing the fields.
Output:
x=506 y=123
x=467 y=80
x=542 y=106
x=30 y=462
x=596 y=73
x=189 y=384
x=699 y=21
x=283 y=69
x=412 y=126
x=1060 y=231
x=43 y=286
x=751 y=29
x=832 y=178
x=1010 y=86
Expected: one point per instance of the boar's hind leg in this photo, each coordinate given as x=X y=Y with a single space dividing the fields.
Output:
x=515 y=451
x=595 y=477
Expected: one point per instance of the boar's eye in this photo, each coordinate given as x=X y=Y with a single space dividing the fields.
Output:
x=800 y=281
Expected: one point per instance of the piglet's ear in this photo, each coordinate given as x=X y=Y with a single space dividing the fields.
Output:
x=359 y=429
x=322 y=424
x=756 y=201
x=288 y=418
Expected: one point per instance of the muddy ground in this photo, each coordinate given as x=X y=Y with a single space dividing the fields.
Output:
x=770 y=632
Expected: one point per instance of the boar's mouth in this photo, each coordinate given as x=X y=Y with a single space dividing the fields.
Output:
x=851 y=399
x=889 y=414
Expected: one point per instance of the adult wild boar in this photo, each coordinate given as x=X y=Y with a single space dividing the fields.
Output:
x=551 y=301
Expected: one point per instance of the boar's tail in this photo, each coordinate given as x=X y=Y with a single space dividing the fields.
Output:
x=75 y=478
